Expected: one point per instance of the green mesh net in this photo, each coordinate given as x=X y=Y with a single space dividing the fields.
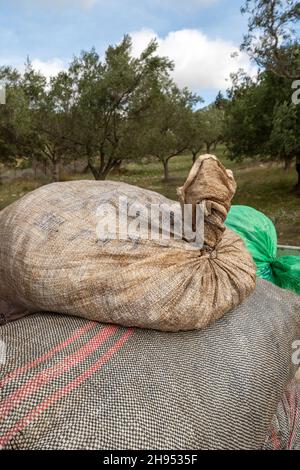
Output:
x=259 y=235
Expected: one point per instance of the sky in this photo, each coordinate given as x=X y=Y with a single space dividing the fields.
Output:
x=200 y=36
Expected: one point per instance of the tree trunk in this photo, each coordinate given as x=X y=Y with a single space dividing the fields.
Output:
x=287 y=164
x=215 y=146
x=98 y=174
x=194 y=156
x=104 y=166
x=118 y=167
x=86 y=169
x=208 y=147
x=55 y=172
x=34 y=166
x=298 y=172
x=166 y=170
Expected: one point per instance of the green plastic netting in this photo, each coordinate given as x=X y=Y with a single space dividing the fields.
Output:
x=260 y=237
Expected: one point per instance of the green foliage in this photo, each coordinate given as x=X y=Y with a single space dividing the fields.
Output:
x=261 y=119
x=95 y=110
x=213 y=126
x=207 y=126
x=14 y=117
x=284 y=138
x=197 y=132
x=112 y=101
x=168 y=130
x=273 y=35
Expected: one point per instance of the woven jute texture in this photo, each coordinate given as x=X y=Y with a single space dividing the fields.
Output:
x=68 y=383
x=52 y=258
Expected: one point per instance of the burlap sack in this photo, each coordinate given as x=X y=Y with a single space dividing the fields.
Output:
x=209 y=181
x=53 y=259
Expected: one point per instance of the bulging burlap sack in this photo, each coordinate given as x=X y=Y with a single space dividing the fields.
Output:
x=53 y=259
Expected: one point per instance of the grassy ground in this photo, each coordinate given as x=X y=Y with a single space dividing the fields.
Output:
x=267 y=188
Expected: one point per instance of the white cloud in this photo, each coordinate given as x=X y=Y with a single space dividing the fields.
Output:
x=49 y=68
x=200 y=61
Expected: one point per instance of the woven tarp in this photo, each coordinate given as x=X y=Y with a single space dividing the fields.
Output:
x=284 y=433
x=52 y=257
x=69 y=383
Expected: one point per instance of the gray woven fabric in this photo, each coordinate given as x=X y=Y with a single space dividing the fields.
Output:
x=73 y=384
x=284 y=433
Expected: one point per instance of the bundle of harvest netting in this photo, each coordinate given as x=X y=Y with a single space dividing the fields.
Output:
x=64 y=249
x=260 y=237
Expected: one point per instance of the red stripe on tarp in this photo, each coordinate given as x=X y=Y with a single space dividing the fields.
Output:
x=275 y=439
x=79 y=332
x=293 y=402
x=46 y=375
x=33 y=414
